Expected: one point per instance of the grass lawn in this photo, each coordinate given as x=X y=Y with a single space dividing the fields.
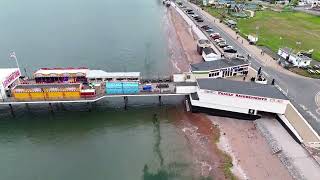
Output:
x=292 y=27
x=304 y=72
x=215 y=12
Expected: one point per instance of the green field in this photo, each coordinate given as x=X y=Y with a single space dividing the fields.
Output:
x=292 y=27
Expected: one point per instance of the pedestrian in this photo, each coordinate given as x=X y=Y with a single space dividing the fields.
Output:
x=244 y=78
x=242 y=41
x=237 y=37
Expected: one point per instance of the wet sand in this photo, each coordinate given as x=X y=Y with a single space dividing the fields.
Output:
x=201 y=135
x=210 y=137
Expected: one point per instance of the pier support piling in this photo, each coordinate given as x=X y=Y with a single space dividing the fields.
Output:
x=160 y=102
x=89 y=105
x=50 y=108
x=11 y=110
x=125 y=98
x=27 y=107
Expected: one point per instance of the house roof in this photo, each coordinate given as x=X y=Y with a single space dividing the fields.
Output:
x=286 y=49
x=203 y=41
x=208 y=50
x=301 y=57
x=103 y=74
x=59 y=71
x=217 y=64
x=241 y=87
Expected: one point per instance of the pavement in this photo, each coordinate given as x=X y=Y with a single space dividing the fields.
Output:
x=303 y=92
x=297 y=160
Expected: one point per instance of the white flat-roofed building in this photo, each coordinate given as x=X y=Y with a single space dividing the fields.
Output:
x=102 y=76
x=299 y=60
x=238 y=97
x=208 y=54
x=9 y=78
x=220 y=68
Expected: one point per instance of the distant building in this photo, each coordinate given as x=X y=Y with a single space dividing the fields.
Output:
x=298 y=60
x=220 y=68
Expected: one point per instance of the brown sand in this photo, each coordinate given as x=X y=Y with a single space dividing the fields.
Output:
x=251 y=150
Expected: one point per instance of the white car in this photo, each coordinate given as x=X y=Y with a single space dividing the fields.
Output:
x=209 y=30
x=222 y=44
x=227 y=48
x=219 y=40
x=194 y=15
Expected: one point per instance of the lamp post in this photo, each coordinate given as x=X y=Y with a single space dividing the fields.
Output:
x=13 y=56
x=298 y=45
x=257 y=28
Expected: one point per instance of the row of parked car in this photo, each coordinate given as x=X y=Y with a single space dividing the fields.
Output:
x=215 y=36
x=222 y=43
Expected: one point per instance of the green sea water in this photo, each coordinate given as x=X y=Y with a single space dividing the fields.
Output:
x=109 y=142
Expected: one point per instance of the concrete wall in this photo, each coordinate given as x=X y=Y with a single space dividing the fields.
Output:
x=213 y=105
x=243 y=103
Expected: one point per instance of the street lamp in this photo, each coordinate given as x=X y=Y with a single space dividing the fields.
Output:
x=299 y=45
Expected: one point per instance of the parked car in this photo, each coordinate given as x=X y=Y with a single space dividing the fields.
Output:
x=162 y=86
x=239 y=56
x=316 y=66
x=199 y=20
x=209 y=30
x=214 y=34
x=190 y=12
x=205 y=27
x=219 y=40
x=228 y=47
x=194 y=15
x=230 y=51
x=222 y=44
x=311 y=71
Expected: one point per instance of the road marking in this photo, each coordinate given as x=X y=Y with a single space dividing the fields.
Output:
x=266 y=74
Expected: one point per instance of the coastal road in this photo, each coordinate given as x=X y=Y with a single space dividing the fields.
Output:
x=303 y=92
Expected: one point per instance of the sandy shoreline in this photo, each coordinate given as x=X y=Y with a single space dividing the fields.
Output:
x=211 y=136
